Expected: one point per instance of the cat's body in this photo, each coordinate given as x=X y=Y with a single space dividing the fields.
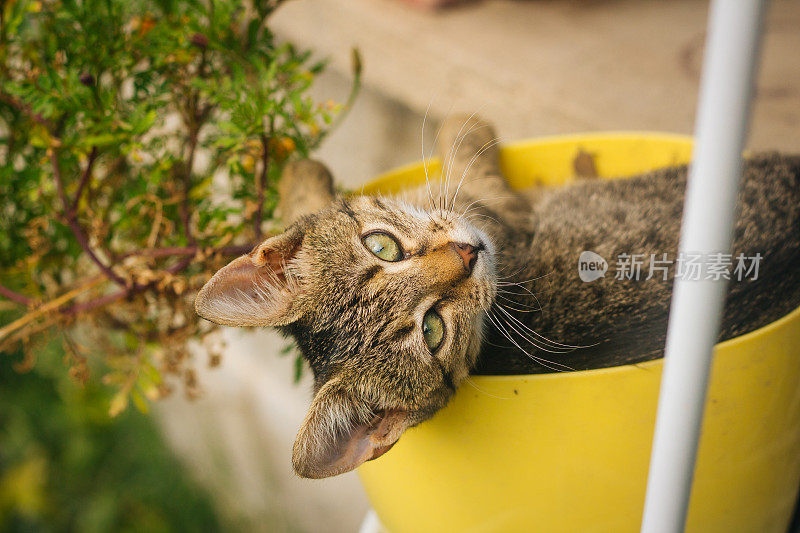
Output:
x=624 y=321
x=393 y=301
x=545 y=318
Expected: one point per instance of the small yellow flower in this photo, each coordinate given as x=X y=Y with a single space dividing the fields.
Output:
x=183 y=57
x=288 y=144
x=248 y=162
x=282 y=147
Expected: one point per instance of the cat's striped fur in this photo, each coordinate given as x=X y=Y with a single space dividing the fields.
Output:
x=358 y=319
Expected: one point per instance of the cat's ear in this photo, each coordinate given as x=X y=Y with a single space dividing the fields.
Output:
x=255 y=289
x=341 y=432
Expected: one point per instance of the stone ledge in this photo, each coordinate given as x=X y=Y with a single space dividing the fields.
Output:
x=540 y=68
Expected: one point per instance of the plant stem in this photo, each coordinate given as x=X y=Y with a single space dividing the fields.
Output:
x=113 y=297
x=261 y=185
x=72 y=222
x=188 y=251
x=186 y=179
x=49 y=306
x=25 y=109
x=87 y=174
x=348 y=105
x=14 y=296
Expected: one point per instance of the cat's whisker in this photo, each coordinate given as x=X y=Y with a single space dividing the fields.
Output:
x=503 y=346
x=518 y=310
x=542 y=337
x=503 y=281
x=482 y=215
x=519 y=284
x=461 y=181
x=504 y=332
x=524 y=289
x=489 y=144
x=541 y=361
x=530 y=293
x=535 y=343
x=526 y=280
x=502 y=291
x=450 y=158
x=470 y=207
x=460 y=139
x=452 y=203
x=509 y=276
x=433 y=148
x=512 y=293
x=468 y=380
x=472 y=211
x=530 y=307
x=422 y=152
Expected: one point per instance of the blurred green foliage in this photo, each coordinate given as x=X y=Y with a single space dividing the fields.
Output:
x=140 y=146
x=66 y=466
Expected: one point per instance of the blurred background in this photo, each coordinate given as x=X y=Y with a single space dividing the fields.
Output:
x=221 y=460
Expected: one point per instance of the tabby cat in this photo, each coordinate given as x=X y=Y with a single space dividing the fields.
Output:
x=394 y=301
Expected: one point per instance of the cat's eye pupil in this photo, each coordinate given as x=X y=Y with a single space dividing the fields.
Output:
x=383 y=246
x=432 y=329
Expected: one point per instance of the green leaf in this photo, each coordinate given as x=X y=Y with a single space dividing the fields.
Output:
x=140 y=402
x=299 y=365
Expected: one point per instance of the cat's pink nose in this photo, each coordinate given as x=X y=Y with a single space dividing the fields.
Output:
x=468 y=253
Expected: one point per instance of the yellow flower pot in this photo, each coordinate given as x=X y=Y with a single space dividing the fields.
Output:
x=569 y=452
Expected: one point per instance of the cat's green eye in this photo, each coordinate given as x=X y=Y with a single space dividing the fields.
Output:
x=432 y=329
x=383 y=246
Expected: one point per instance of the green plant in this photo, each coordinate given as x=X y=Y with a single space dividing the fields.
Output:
x=64 y=466
x=140 y=143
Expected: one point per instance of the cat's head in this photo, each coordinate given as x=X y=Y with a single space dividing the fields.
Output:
x=386 y=302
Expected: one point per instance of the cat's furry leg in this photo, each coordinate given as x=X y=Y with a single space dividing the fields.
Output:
x=468 y=147
x=473 y=182
x=306 y=186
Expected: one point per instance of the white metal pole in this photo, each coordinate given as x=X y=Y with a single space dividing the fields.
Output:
x=729 y=67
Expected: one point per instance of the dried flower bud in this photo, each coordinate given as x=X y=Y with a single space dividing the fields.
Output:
x=87 y=79
x=199 y=40
x=355 y=59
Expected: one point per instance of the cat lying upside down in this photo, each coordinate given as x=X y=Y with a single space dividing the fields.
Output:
x=394 y=301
